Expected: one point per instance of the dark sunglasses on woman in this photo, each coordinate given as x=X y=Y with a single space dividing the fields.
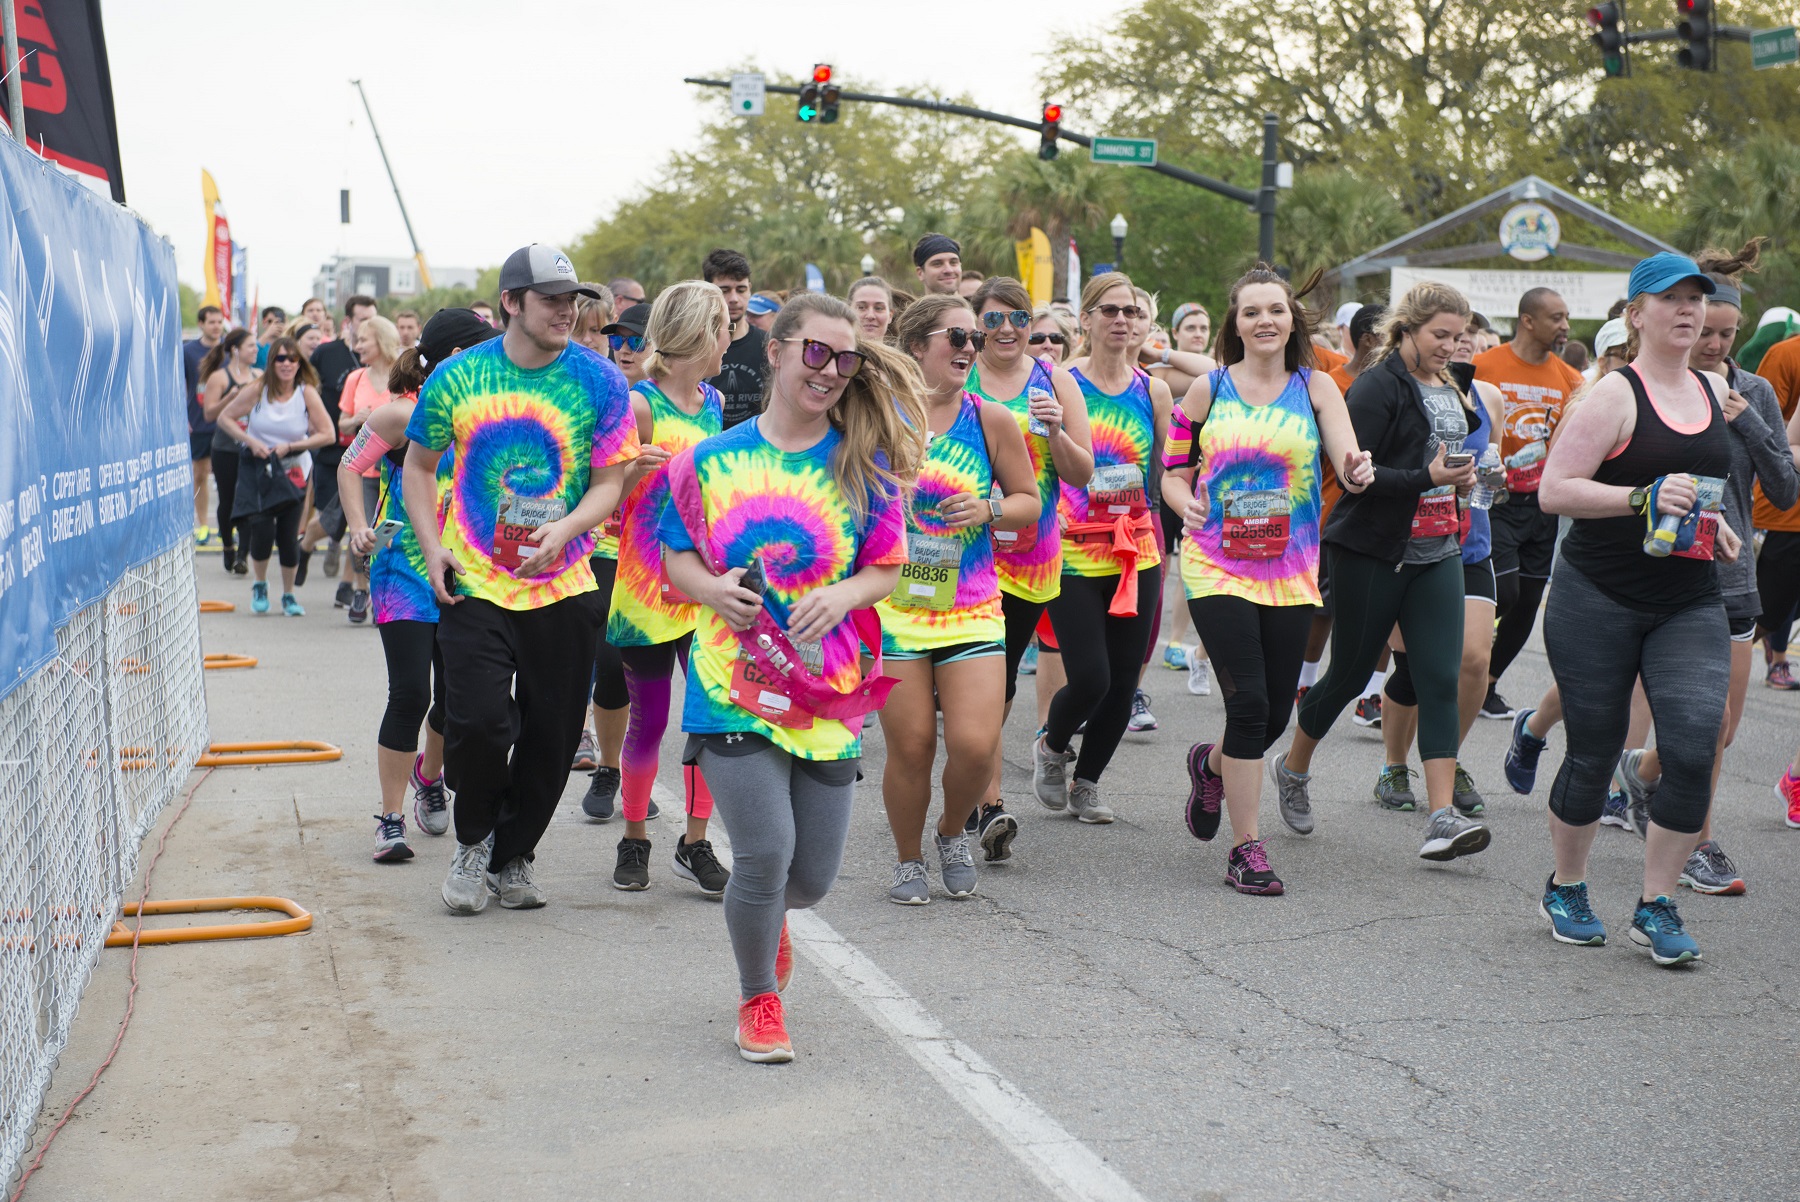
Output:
x=1131 y=312
x=634 y=342
x=993 y=319
x=282 y=359
x=1041 y=339
x=816 y=354
x=960 y=337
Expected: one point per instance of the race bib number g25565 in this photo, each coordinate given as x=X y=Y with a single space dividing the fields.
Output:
x=1254 y=524
x=929 y=581
x=516 y=519
x=1116 y=490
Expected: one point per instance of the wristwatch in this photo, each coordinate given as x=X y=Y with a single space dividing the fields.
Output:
x=1639 y=500
x=994 y=507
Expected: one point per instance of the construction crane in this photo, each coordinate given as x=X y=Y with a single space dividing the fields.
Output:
x=418 y=255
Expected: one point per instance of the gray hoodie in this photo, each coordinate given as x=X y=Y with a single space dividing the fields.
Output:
x=1759 y=452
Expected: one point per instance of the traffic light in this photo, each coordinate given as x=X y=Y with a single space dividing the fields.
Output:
x=1052 y=123
x=828 y=92
x=1694 y=26
x=1608 y=20
x=809 y=102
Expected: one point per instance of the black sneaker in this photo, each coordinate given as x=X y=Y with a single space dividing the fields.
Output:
x=972 y=823
x=997 y=829
x=696 y=862
x=601 y=800
x=345 y=590
x=1368 y=710
x=299 y=568
x=1495 y=705
x=359 y=605
x=633 y=869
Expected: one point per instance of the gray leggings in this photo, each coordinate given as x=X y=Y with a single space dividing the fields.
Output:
x=788 y=819
x=1597 y=650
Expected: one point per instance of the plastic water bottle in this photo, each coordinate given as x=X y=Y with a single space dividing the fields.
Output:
x=1482 y=495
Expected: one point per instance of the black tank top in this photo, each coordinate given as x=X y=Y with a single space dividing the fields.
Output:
x=1610 y=551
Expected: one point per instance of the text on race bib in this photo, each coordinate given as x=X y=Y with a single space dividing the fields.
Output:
x=516 y=519
x=1115 y=491
x=1254 y=524
x=929 y=580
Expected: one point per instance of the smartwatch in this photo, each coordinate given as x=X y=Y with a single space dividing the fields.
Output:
x=994 y=507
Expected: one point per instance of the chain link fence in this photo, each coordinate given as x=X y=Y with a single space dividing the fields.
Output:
x=91 y=749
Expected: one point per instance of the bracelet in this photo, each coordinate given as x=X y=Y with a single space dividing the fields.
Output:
x=1165 y=356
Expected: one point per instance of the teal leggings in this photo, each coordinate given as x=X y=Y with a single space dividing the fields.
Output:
x=1369 y=597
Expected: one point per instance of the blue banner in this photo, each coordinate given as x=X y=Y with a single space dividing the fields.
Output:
x=94 y=471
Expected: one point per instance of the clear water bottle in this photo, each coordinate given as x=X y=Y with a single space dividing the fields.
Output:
x=1482 y=496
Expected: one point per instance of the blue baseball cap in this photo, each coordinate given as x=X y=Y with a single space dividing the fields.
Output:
x=762 y=306
x=1664 y=270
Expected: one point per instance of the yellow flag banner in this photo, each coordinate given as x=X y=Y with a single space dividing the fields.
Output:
x=1023 y=249
x=218 y=246
x=1043 y=270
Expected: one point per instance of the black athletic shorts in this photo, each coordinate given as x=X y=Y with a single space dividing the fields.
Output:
x=1478 y=581
x=200 y=446
x=1524 y=538
x=1741 y=612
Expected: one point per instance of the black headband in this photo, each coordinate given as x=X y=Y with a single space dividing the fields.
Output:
x=934 y=244
x=1725 y=294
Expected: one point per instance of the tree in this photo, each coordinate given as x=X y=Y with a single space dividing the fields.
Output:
x=1331 y=216
x=1059 y=197
x=1735 y=197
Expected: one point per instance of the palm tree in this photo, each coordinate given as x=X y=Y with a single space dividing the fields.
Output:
x=1752 y=190
x=1058 y=197
x=1331 y=216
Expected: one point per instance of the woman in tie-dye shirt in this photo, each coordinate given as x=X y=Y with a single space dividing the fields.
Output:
x=942 y=626
x=804 y=510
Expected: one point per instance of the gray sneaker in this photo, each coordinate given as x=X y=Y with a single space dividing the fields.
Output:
x=1050 y=775
x=1084 y=800
x=1638 y=791
x=516 y=886
x=1449 y=835
x=910 y=887
x=1710 y=870
x=1467 y=799
x=1393 y=789
x=957 y=864
x=466 y=888
x=1291 y=796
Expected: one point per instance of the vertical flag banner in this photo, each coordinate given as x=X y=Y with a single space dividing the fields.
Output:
x=240 y=313
x=1042 y=282
x=218 y=246
x=815 y=279
x=1027 y=261
x=66 y=86
x=1075 y=279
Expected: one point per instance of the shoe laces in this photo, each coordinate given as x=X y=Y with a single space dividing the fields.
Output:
x=1081 y=794
x=955 y=851
x=1575 y=902
x=430 y=794
x=392 y=826
x=1254 y=857
x=632 y=852
x=762 y=1014
x=1716 y=859
x=699 y=853
x=470 y=858
x=1663 y=915
x=1464 y=782
x=909 y=870
x=1397 y=776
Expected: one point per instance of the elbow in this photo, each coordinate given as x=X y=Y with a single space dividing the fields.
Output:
x=1552 y=494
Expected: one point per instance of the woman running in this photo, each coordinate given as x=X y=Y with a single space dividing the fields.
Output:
x=405 y=608
x=650 y=621
x=228 y=369
x=873 y=301
x=1637 y=595
x=800 y=512
x=283 y=421
x=1188 y=358
x=1112 y=571
x=943 y=632
x=1395 y=557
x=1250 y=434
x=365 y=391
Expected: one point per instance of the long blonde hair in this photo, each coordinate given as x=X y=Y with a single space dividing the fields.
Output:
x=685 y=323
x=1422 y=302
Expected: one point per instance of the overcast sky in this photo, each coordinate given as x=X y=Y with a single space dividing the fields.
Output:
x=507 y=123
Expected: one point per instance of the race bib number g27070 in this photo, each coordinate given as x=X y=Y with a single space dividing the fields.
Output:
x=929 y=581
x=1436 y=515
x=1114 y=491
x=1254 y=524
x=516 y=519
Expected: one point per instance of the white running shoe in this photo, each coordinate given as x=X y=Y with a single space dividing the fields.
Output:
x=1199 y=675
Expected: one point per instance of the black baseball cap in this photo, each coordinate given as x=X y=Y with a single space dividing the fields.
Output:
x=450 y=329
x=634 y=321
x=542 y=269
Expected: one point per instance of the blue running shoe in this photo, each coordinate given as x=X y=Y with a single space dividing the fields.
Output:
x=1571 y=918
x=1028 y=661
x=1175 y=657
x=1522 y=755
x=1656 y=926
x=259 y=597
x=1614 y=813
x=290 y=605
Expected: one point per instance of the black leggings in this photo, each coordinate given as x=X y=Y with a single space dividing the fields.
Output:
x=1370 y=597
x=415 y=673
x=275 y=529
x=1598 y=649
x=1256 y=655
x=225 y=473
x=609 y=690
x=1021 y=624
x=1516 y=598
x=1102 y=656
x=1778 y=582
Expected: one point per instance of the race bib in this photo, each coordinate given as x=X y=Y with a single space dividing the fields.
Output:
x=1436 y=516
x=765 y=694
x=1013 y=542
x=1709 y=495
x=929 y=581
x=516 y=519
x=1114 y=491
x=613 y=526
x=1525 y=467
x=1254 y=524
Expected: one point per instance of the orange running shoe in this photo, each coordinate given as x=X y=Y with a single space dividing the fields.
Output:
x=762 y=1034
x=1788 y=789
x=784 y=960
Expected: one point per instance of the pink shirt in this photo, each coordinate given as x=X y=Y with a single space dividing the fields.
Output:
x=362 y=396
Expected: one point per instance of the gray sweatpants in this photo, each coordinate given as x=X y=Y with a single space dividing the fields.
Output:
x=788 y=819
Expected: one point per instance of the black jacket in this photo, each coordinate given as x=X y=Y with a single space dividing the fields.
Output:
x=1387 y=407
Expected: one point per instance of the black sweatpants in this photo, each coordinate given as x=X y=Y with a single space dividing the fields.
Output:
x=513 y=705
x=1021 y=625
x=1256 y=655
x=225 y=474
x=1778 y=583
x=1102 y=656
x=415 y=673
x=276 y=530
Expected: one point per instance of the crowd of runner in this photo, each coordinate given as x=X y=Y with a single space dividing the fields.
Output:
x=889 y=507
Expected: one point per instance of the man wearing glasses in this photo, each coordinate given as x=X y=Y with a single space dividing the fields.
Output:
x=626 y=293
x=740 y=380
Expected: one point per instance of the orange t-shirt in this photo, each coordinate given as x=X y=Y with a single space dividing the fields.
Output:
x=362 y=396
x=1532 y=395
x=1326 y=359
x=1329 y=488
x=1781 y=368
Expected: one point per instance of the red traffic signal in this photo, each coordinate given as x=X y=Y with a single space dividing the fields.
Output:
x=1048 y=130
x=1052 y=113
x=821 y=72
x=1695 y=29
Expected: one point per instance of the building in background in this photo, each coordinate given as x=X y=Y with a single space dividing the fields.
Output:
x=369 y=275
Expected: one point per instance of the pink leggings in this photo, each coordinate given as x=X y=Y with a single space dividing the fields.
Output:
x=648 y=675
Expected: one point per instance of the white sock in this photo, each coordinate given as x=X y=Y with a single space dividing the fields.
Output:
x=1375 y=683
x=1309 y=673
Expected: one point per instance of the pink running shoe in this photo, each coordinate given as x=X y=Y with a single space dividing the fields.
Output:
x=1206 y=794
x=1781 y=676
x=762 y=1031
x=1788 y=789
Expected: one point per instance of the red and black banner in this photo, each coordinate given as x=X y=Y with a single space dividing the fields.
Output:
x=66 y=87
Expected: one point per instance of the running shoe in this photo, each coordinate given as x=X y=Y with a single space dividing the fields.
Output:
x=1367 y=711
x=972 y=823
x=300 y=568
x=1656 y=926
x=202 y=535
x=1050 y=775
x=516 y=885
x=259 y=597
x=465 y=888
x=696 y=862
x=1637 y=790
x=1175 y=657
x=1142 y=720
x=333 y=550
x=290 y=605
x=1300 y=694
x=632 y=872
x=1449 y=835
x=1291 y=796
x=1467 y=798
x=1781 y=676
x=1788 y=789
x=1199 y=675
x=1247 y=870
x=1710 y=870
x=654 y=811
x=390 y=839
x=359 y=605
x=1572 y=920
x=601 y=799
x=241 y=567
x=1614 y=811
x=1085 y=803
x=1494 y=705
x=1206 y=794
x=341 y=599
x=587 y=755
x=910 y=888
x=956 y=864
x=784 y=959
x=1393 y=789
x=996 y=832
x=762 y=1036
x=431 y=809
x=1522 y=755
x=1028 y=661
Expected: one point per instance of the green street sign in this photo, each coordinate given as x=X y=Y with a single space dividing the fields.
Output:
x=1132 y=152
x=1773 y=47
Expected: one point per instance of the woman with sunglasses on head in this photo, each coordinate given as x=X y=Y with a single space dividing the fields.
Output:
x=1111 y=565
x=800 y=513
x=228 y=369
x=873 y=301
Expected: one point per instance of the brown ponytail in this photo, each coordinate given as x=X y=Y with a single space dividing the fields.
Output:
x=407 y=375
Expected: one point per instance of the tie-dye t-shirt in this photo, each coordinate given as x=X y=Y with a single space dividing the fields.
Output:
x=1260 y=467
x=534 y=433
x=641 y=617
x=948 y=592
x=1124 y=431
x=785 y=508
x=1034 y=574
x=398 y=591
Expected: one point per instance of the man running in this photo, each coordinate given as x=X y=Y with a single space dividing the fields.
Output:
x=740 y=380
x=540 y=431
x=937 y=261
x=1534 y=385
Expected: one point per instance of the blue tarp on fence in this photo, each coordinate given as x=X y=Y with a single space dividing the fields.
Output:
x=94 y=470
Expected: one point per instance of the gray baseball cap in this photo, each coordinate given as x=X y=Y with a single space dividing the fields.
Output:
x=542 y=269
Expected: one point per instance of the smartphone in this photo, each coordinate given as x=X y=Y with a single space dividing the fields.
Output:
x=1458 y=459
x=384 y=533
x=753 y=578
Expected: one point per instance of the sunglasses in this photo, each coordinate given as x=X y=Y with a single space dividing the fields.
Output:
x=1041 y=339
x=816 y=354
x=959 y=337
x=993 y=319
x=282 y=359
x=1109 y=312
x=633 y=342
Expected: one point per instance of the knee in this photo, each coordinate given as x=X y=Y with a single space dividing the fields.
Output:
x=1475 y=661
x=1247 y=710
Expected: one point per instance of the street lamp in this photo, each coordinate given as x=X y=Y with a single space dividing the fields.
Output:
x=1119 y=230
x=868 y=264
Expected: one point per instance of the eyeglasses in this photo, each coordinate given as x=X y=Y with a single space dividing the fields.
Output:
x=282 y=359
x=628 y=301
x=816 y=355
x=634 y=342
x=1041 y=339
x=993 y=319
x=959 y=337
x=1130 y=312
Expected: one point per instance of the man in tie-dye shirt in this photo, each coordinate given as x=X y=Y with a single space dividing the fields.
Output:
x=541 y=430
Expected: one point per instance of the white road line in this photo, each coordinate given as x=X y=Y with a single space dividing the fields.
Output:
x=1070 y=1169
